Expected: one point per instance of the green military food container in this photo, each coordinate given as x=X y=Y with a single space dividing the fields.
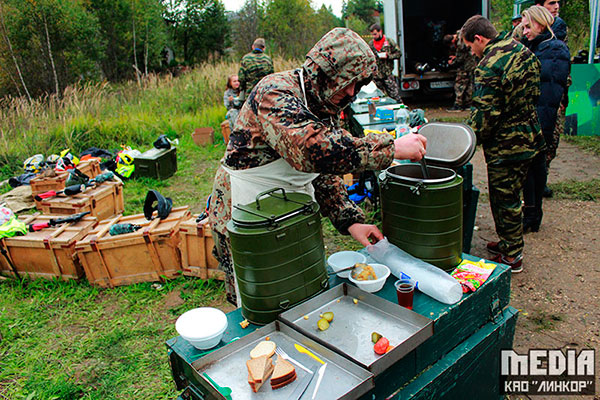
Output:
x=424 y=217
x=156 y=163
x=278 y=253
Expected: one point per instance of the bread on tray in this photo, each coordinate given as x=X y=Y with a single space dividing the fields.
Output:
x=264 y=348
x=259 y=371
x=283 y=373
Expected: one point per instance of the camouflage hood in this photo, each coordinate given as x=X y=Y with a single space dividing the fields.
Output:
x=338 y=59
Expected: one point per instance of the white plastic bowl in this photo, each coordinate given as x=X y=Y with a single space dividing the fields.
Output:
x=381 y=271
x=344 y=259
x=203 y=327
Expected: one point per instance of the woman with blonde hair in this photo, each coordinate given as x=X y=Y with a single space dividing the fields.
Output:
x=554 y=58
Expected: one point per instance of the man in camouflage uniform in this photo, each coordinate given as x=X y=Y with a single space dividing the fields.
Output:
x=254 y=66
x=464 y=62
x=386 y=51
x=507 y=86
x=290 y=122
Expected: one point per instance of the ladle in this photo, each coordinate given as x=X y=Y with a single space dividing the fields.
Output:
x=424 y=170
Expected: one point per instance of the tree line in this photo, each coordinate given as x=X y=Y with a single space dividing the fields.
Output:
x=47 y=45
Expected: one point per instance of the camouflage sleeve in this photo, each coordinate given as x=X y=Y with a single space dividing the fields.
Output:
x=228 y=104
x=332 y=197
x=310 y=145
x=394 y=53
x=270 y=70
x=461 y=56
x=242 y=75
x=487 y=103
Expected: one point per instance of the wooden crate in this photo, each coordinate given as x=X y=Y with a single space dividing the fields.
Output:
x=47 y=253
x=41 y=184
x=104 y=201
x=225 y=130
x=149 y=254
x=196 y=250
x=203 y=136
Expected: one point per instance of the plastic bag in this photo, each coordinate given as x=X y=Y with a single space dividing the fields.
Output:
x=472 y=274
x=431 y=280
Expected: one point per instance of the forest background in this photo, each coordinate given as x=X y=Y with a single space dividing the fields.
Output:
x=48 y=45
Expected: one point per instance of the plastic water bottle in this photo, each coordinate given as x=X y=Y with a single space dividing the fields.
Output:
x=402 y=117
x=372 y=109
x=431 y=280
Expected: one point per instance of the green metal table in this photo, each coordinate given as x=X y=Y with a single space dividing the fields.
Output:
x=450 y=363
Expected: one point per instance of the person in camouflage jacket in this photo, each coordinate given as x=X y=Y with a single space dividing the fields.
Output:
x=464 y=62
x=386 y=51
x=294 y=116
x=254 y=66
x=504 y=118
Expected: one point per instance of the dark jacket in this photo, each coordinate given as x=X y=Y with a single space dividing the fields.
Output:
x=559 y=27
x=555 y=59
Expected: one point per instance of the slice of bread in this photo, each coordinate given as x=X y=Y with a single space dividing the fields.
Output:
x=290 y=379
x=264 y=348
x=282 y=372
x=259 y=370
x=256 y=368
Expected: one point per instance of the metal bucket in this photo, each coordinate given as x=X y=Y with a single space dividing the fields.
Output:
x=423 y=216
x=278 y=253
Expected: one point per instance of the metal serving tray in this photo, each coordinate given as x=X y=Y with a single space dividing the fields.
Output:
x=227 y=367
x=350 y=332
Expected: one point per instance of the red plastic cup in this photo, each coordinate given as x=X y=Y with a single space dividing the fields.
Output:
x=405 y=290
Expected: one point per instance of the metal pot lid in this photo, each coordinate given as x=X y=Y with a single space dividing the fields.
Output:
x=272 y=207
x=449 y=144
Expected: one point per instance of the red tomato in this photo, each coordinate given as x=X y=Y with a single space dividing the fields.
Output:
x=381 y=346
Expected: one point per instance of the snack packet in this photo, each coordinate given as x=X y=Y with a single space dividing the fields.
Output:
x=472 y=274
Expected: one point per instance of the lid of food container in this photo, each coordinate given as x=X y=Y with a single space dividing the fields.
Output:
x=449 y=144
x=272 y=207
x=200 y=323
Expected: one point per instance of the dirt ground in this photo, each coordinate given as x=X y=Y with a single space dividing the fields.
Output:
x=557 y=292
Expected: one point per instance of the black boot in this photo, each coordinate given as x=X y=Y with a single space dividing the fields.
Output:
x=531 y=219
x=547 y=192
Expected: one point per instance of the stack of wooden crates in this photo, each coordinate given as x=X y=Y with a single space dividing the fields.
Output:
x=161 y=248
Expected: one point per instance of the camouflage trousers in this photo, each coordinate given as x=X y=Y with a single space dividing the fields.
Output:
x=505 y=183
x=463 y=89
x=222 y=252
x=390 y=87
x=552 y=142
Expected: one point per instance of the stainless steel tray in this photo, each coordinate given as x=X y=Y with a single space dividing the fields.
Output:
x=350 y=332
x=227 y=367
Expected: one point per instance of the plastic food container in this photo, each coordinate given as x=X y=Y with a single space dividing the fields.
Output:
x=203 y=327
x=344 y=259
x=381 y=271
